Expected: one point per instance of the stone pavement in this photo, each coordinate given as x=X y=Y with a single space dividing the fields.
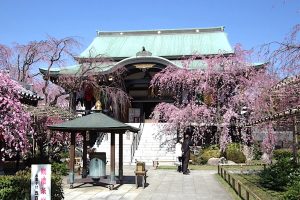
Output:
x=161 y=184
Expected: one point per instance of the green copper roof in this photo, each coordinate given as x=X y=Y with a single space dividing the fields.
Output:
x=163 y=43
x=108 y=67
x=95 y=121
x=78 y=69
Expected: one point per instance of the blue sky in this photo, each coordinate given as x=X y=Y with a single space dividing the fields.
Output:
x=249 y=22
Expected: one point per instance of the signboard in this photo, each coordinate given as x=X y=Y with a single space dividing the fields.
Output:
x=41 y=182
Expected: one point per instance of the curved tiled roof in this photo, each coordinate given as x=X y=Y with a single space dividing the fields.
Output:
x=165 y=47
x=26 y=92
x=163 y=43
x=95 y=121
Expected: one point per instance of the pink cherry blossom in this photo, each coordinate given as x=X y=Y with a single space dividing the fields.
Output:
x=15 y=121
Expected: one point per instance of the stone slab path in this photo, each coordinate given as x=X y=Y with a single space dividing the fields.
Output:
x=161 y=185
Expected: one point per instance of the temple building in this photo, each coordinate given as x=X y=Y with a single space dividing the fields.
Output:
x=139 y=55
x=28 y=96
x=142 y=54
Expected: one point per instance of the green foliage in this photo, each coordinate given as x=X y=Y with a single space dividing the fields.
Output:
x=57 y=192
x=12 y=187
x=233 y=152
x=7 y=191
x=64 y=154
x=293 y=192
x=60 y=168
x=278 y=175
x=18 y=187
x=212 y=151
x=279 y=154
x=209 y=154
x=213 y=147
x=257 y=152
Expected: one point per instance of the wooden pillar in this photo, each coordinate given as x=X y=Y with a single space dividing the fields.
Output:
x=112 y=157
x=72 y=159
x=120 y=156
x=84 y=155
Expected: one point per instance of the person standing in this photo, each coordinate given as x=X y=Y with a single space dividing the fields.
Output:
x=178 y=154
x=185 y=153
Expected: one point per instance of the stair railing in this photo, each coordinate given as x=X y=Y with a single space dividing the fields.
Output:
x=101 y=137
x=137 y=137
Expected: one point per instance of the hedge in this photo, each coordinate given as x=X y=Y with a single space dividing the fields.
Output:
x=212 y=151
x=234 y=153
x=18 y=187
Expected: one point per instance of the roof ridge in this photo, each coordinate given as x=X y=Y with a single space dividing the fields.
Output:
x=162 y=31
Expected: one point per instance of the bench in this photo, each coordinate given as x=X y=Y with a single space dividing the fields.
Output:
x=174 y=162
x=157 y=162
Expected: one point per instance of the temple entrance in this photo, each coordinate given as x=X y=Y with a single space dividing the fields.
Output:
x=148 y=109
x=137 y=82
x=141 y=111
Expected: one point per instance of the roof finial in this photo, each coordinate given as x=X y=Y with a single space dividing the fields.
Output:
x=143 y=52
x=98 y=106
x=98 y=33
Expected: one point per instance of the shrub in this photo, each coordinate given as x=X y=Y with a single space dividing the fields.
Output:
x=257 y=152
x=282 y=153
x=212 y=151
x=278 y=175
x=293 y=192
x=209 y=154
x=213 y=147
x=234 y=153
x=60 y=168
x=64 y=154
x=57 y=192
x=18 y=187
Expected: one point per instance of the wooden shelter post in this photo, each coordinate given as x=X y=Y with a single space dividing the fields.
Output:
x=72 y=159
x=84 y=155
x=112 y=157
x=120 y=156
x=97 y=122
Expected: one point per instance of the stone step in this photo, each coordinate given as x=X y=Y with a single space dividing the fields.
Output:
x=149 y=147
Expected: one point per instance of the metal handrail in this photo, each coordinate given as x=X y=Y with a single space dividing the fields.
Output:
x=137 y=137
x=101 y=136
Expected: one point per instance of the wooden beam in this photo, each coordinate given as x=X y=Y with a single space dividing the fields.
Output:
x=287 y=113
